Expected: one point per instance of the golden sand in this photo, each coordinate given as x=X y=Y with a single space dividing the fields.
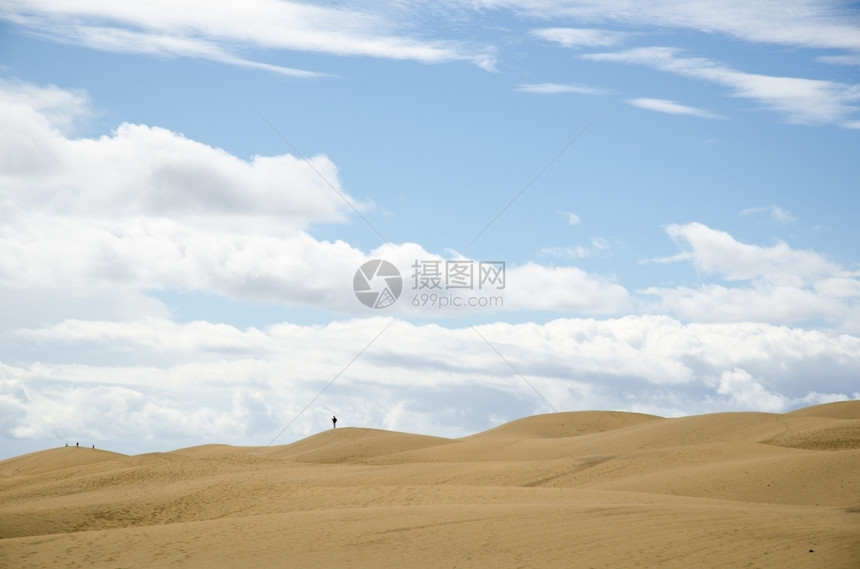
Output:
x=585 y=489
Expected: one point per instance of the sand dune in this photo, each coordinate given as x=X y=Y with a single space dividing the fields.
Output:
x=352 y=444
x=54 y=459
x=584 y=489
x=558 y=425
x=837 y=410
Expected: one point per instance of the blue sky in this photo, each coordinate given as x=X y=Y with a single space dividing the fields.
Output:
x=188 y=189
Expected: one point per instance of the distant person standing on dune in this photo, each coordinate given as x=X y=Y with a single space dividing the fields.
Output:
x=333 y=422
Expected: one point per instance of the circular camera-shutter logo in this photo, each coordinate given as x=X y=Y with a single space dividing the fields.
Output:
x=377 y=284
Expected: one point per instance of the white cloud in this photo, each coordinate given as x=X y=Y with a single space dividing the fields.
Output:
x=157 y=334
x=580 y=37
x=671 y=107
x=146 y=209
x=761 y=302
x=130 y=41
x=852 y=60
x=575 y=252
x=744 y=391
x=143 y=170
x=808 y=101
x=774 y=283
x=775 y=212
x=805 y=23
x=50 y=107
x=222 y=31
x=572 y=218
x=160 y=254
x=601 y=247
x=219 y=31
x=118 y=414
x=157 y=254
x=197 y=382
x=839 y=287
x=565 y=289
x=87 y=232
x=717 y=252
x=556 y=88
x=604 y=245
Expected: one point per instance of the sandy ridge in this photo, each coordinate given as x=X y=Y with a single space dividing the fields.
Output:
x=570 y=489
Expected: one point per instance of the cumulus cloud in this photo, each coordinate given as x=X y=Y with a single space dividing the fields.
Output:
x=761 y=302
x=140 y=170
x=48 y=106
x=566 y=289
x=161 y=254
x=146 y=209
x=744 y=391
x=769 y=283
x=716 y=252
x=98 y=358
x=243 y=386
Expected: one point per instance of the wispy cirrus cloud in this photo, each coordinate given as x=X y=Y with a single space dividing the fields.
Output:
x=805 y=101
x=119 y=40
x=558 y=88
x=803 y=23
x=581 y=37
x=775 y=212
x=221 y=31
x=672 y=108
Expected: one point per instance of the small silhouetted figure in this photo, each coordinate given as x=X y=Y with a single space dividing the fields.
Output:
x=77 y=444
x=67 y=444
x=94 y=447
x=333 y=422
